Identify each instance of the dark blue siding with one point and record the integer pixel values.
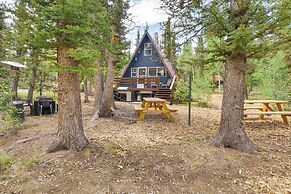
(139, 60)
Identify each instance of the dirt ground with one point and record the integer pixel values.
(154, 156)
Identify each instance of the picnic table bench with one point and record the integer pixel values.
(155, 106)
(264, 107)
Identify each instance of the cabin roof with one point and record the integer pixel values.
(169, 66)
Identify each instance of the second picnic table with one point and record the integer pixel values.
(154, 105)
(266, 109)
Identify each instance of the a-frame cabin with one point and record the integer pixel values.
(148, 73)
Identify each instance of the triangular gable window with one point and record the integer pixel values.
(148, 49)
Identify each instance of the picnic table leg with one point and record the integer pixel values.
(143, 104)
(167, 112)
(265, 109)
(284, 117)
(141, 116)
(169, 116)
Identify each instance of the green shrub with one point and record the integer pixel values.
(6, 161)
(202, 90)
(7, 110)
(272, 77)
(182, 91)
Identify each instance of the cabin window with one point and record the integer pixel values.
(133, 72)
(148, 49)
(152, 71)
(142, 72)
(161, 71)
(157, 72)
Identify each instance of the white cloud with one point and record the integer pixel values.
(147, 11)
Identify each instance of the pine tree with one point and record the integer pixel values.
(146, 27)
(2, 27)
(137, 38)
(113, 54)
(243, 28)
(156, 38)
(169, 42)
(73, 37)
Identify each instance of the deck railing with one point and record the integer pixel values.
(132, 82)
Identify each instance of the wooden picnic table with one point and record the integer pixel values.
(266, 108)
(154, 105)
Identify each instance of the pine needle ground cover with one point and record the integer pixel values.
(154, 156)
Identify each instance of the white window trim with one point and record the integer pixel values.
(157, 71)
(135, 72)
(148, 49)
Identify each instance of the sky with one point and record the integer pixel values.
(142, 12)
(146, 11)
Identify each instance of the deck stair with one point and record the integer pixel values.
(164, 93)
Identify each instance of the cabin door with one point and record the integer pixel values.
(142, 73)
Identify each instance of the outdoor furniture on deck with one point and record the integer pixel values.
(155, 106)
(264, 107)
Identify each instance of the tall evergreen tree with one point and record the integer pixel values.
(156, 38)
(243, 28)
(70, 28)
(2, 27)
(169, 42)
(104, 103)
(137, 38)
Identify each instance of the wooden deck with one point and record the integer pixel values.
(146, 84)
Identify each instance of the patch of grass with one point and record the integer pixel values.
(30, 160)
(247, 155)
(87, 152)
(3, 178)
(22, 94)
(6, 161)
(188, 141)
(227, 158)
(112, 148)
(202, 104)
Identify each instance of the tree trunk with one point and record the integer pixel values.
(99, 89)
(90, 87)
(246, 94)
(32, 84)
(70, 126)
(106, 101)
(41, 84)
(86, 92)
(33, 77)
(15, 86)
(232, 133)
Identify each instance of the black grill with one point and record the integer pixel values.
(44, 105)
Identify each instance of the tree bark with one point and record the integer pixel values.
(70, 126)
(99, 88)
(232, 132)
(86, 92)
(33, 77)
(15, 86)
(41, 83)
(90, 87)
(106, 101)
(246, 93)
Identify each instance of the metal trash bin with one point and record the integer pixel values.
(44, 105)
